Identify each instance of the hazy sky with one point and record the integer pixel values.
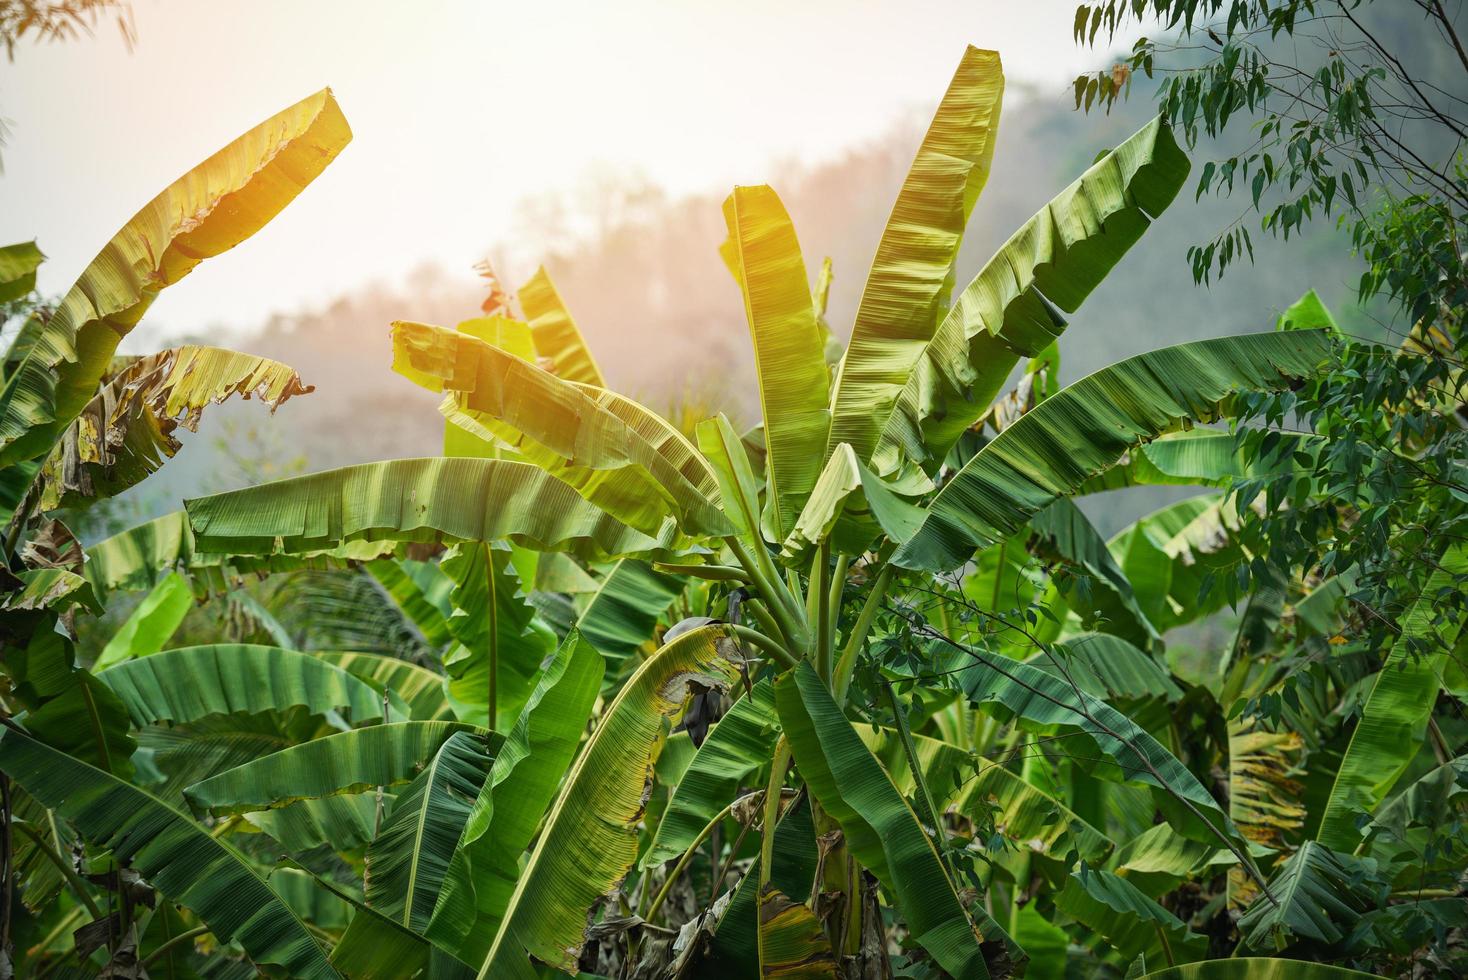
(460, 110)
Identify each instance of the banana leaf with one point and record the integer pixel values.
(18, 265)
(791, 941)
(663, 436)
(849, 506)
(590, 838)
(1319, 895)
(408, 859)
(1030, 816)
(347, 762)
(1015, 306)
(907, 290)
(880, 828)
(1073, 435)
(149, 627)
(555, 334)
(1394, 719)
(416, 692)
(175, 855)
(623, 614)
(210, 209)
(434, 499)
(190, 683)
(125, 433)
(553, 424)
(1124, 919)
(789, 351)
(485, 867)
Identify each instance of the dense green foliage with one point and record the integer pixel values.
(858, 692)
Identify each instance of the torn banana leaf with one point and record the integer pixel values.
(208, 210)
(125, 433)
(557, 338)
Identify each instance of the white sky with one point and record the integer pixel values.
(462, 109)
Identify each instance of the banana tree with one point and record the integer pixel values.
(78, 424)
(850, 498)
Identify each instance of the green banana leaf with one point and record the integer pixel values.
(1026, 692)
(417, 692)
(421, 590)
(88, 721)
(434, 499)
(347, 762)
(485, 867)
(125, 433)
(175, 855)
(907, 290)
(724, 450)
(338, 823)
(1319, 895)
(734, 750)
(149, 627)
(590, 838)
(1085, 428)
(18, 265)
(789, 351)
(1013, 307)
(1123, 918)
(556, 336)
(1394, 719)
(190, 683)
(1108, 667)
(408, 859)
(553, 424)
(623, 614)
(210, 209)
(1069, 535)
(881, 829)
(501, 641)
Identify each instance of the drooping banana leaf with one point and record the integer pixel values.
(512, 802)
(788, 350)
(556, 336)
(623, 614)
(150, 626)
(1050, 451)
(1069, 535)
(190, 683)
(907, 290)
(590, 838)
(1013, 307)
(1158, 860)
(88, 721)
(1394, 718)
(1258, 968)
(434, 499)
(1124, 919)
(553, 424)
(175, 855)
(18, 265)
(1108, 667)
(880, 828)
(734, 750)
(347, 762)
(501, 642)
(125, 433)
(418, 690)
(376, 947)
(407, 861)
(1039, 698)
(1319, 895)
(791, 941)
(208, 210)
(724, 450)
(138, 558)
(342, 823)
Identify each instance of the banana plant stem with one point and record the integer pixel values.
(778, 765)
(820, 587)
(841, 675)
(771, 589)
(685, 860)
